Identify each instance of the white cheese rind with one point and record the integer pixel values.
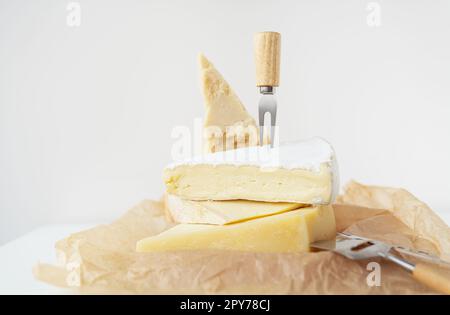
(307, 155)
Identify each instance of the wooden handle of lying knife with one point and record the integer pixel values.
(267, 58)
(434, 277)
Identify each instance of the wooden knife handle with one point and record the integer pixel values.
(267, 58)
(434, 277)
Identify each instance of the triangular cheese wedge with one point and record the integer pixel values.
(290, 231)
(227, 123)
(222, 212)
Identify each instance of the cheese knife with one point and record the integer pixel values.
(434, 274)
(267, 60)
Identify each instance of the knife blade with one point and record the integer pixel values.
(435, 276)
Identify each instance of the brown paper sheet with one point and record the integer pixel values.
(103, 260)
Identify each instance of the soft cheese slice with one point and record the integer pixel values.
(300, 172)
(227, 123)
(290, 231)
(222, 212)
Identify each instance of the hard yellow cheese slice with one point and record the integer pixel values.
(290, 231)
(227, 123)
(222, 212)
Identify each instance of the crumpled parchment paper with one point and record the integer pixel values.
(103, 259)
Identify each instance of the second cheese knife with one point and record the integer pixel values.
(267, 60)
(433, 275)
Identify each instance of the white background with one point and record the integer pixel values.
(86, 113)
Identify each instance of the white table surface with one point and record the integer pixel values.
(18, 257)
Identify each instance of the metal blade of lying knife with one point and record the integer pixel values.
(356, 247)
(353, 248)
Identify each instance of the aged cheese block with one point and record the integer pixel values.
(227, 123)
(299, 172)
(222, 212)
(290, 231)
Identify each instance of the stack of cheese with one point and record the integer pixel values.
(250, 198)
